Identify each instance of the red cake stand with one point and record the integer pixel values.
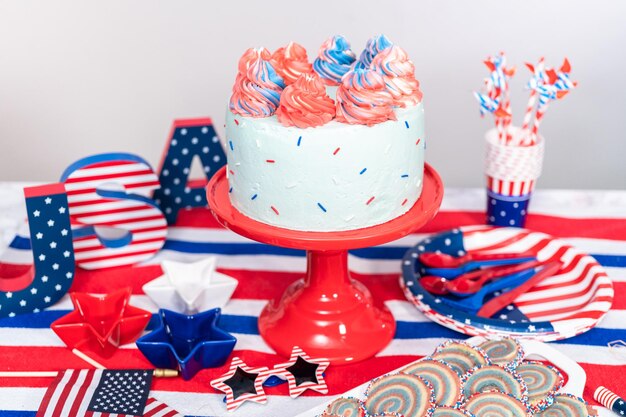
(328, 314)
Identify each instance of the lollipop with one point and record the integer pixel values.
(543, 382)
(505, 352)
(404, 394)
(445, 411)
(345, 407)
(496, 404)
(494, 378)
(461, 356)
(444, 380)
(566, 405)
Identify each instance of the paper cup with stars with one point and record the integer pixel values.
(512, 172)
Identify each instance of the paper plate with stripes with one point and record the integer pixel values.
(564, 305)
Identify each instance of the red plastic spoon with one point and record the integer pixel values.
(443, 260)
(442, 286)
(472, 282)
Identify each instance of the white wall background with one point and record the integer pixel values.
(82, 77)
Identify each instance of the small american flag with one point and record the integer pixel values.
(99, 392)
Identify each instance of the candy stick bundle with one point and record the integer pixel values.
(545, 85)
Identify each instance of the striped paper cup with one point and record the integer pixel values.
(512, 172)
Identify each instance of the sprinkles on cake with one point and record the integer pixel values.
(322, 207)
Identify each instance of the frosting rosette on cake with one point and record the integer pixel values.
(398, 71)
(257, 88)
(335, 58)
(290, 62)
(373, 47)
(305, 103)
(363, 99)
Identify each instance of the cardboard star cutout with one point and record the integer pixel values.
(242, 383)
(189, 288)
(302, 373)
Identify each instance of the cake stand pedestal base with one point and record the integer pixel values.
(326, 313)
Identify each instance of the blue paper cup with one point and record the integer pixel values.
(512, 172)
(510, 211)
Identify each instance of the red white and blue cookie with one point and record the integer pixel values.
(461, 356)
(566, 405)
(506, 352)
(445, 411)
(444, 380)
(404, 394)
(345, 407)
(543, 382)
(494, 378)
(496, 404)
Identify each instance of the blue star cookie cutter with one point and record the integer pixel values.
(188, 343)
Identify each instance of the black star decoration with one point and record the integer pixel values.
(302, 373)
(242, 382)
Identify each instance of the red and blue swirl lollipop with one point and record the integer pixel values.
(373, 47)
(444, 380)
(404, 394)
(496, 404)
(335, 58)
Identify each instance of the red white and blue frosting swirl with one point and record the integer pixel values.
(363, 99)
(334, 60)
(398, 71)
(258, 87)
(373, 47)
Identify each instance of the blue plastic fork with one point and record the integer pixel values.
(474, 302)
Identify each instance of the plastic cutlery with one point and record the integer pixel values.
(474, 302)
(498, 303)
(443, 260)
(451, 272)
(472, 282)
(466, 283)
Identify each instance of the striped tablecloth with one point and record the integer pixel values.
(594, 221)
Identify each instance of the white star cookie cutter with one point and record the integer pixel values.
(189, 288)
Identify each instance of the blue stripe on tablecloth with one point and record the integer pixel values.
(377, 252)
(248, 325)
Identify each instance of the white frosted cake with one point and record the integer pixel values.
(337, 145)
